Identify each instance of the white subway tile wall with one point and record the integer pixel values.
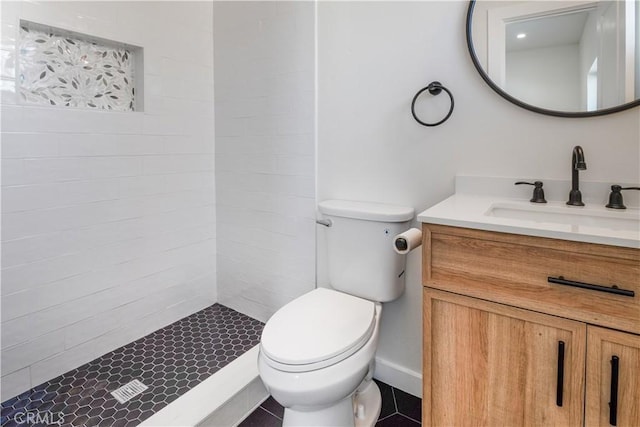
(108, 218)
(265, 153)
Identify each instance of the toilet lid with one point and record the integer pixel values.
(318, 326)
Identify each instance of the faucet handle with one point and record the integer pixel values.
(615, 198)
(538, 192)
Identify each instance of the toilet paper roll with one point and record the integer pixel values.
(405, 242)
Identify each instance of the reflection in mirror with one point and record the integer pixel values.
(562, 56)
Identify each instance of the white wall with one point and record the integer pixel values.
(107, 218)
(265, 163)
(373, 57)
(588, 47)
(637, 64)
(546, 77)
(611, 54)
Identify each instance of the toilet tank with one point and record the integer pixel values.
(361, 259)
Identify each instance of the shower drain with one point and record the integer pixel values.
(129, 391)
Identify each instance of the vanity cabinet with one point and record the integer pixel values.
(504, 345)
(492, 364)
(604, 346)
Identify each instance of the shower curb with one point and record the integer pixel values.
(225, 398)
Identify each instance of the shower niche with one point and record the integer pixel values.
(62, 68)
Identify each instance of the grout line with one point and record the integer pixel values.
(409, 418)
(393, 393)
(405, 415)
(268, 411)
(271, 414)
(388, 416)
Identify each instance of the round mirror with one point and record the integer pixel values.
(561, 58)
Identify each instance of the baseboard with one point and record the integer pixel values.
(222, 399)
(399, 377)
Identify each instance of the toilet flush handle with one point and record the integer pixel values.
(325, 222)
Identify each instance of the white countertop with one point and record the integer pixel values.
(464, 210)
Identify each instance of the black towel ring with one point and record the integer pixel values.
(434, 88)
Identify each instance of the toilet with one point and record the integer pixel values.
(317, 352)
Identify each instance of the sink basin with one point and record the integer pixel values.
(599, 217)
(592, 223)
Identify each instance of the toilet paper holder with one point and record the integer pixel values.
(401, 244)
(404, 243)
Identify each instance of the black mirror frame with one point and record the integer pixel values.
(524, 105)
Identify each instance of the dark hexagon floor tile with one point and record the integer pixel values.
(397, 420)
(169, 361)
(273, 407)
(408, 405)
(388, 400)
(261, 418)
(270, 412)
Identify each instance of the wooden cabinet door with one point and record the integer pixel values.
(487, 364)
(603, 346)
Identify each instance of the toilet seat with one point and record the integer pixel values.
(318, 329)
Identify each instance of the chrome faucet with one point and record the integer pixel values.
(577, 164)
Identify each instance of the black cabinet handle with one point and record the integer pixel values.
(560, 380)
(560, 280)
(613, 404)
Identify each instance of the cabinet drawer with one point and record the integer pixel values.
(514, 269)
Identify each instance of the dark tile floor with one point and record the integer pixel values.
(170, 361)
(399, 409)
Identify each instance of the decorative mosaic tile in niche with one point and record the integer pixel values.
(57, 67)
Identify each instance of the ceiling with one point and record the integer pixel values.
(546, 31)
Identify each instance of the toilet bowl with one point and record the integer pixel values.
(315, 375)
(317, 352)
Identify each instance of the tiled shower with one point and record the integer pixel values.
(108, 217)
(164, 365)
(158, 162)
(265, 153)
